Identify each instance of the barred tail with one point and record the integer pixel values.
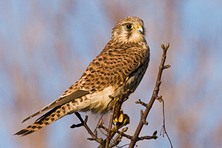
(46, 119)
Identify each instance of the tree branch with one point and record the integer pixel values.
(153, 98)
(84, 123)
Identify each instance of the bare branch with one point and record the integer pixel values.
(109, 128)
(84, 123)
(164, 123)
(153, 98)
(141, 102)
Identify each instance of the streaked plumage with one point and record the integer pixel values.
(114, 73)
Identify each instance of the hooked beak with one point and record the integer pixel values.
(140, 29)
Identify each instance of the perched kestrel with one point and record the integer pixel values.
(114, 73)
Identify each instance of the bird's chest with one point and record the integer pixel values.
(102, 101)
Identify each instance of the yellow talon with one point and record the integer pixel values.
(123, 119)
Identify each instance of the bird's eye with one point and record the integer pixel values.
(129, 26)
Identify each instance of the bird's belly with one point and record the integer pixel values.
(101, 101)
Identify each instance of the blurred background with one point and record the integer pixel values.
(46, 45)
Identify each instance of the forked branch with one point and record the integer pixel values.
(154, 96)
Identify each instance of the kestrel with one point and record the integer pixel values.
(114, 73)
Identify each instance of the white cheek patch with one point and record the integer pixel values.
(136, 37)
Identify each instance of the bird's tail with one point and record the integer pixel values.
(46, 119)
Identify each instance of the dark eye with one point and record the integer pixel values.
(129, 26)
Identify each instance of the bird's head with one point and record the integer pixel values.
(129, 29)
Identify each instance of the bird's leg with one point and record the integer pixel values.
(118, 117)
(121, 120)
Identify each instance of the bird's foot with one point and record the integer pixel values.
(121, 120)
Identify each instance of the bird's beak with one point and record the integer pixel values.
(140, 29)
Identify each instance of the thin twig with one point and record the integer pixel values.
(108, 138)
(164, 124)
(141, 102)
(84, 123)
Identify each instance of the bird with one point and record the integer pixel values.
(114, 73)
